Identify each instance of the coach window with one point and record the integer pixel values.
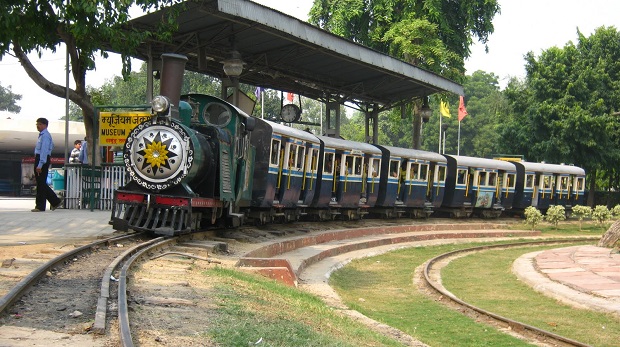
(348, 163)
(492, 179)
(579, 184)
(357, 166)
(529, 181)
(375, 164)
(394, 168)
(424, 172)
(461, 175)
(547, 182)
(300, 156)
(328, 165)
(292, 151)
(510, 180)
(564, 183)
(441, 170)
(275, 152)
(482, 178)
(312, 159)
(413, 170)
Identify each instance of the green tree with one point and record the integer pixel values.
(564, 111)
(8, 100)
(83, 26)
(422, 32)
(435, 35)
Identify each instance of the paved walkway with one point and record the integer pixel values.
(585, 275)
(18, 224)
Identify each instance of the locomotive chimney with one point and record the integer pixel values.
(172, 69)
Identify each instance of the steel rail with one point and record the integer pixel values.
(22, 286)
(512, 323)
(123, 308)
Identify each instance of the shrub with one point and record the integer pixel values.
(532, 216)
(555, 214)
(615, 211)
(601, 213)
(582, 212)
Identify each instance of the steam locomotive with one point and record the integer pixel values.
(201, 162)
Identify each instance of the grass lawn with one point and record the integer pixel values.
(250, 308)
(382, 288)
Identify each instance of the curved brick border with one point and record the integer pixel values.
(261, 260)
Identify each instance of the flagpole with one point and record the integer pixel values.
(440, 119)
(458, 141)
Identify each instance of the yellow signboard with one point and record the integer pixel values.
(115, 126)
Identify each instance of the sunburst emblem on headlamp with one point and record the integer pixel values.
(157, 153)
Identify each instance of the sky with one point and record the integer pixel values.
(521, 27)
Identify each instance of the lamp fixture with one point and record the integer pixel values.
(233, 66)
(425, 111)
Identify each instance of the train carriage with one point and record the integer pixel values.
(478, 185)
(542, 185)
(285, 174)
(200, 161)
(345, 178)
(415, 182)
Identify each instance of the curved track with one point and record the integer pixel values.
(515, 325)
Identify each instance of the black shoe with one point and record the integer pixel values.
(58, 205)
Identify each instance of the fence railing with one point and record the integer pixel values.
(88, 187)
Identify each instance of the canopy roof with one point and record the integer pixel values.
(283, 53)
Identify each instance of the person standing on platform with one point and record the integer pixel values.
(74, 158)
(42, 158)
(83, 158)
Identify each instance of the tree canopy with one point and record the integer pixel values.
(435, 35)
(8, 100)
(563, 110)
(83, 26)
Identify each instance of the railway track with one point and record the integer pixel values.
(167, 288)
(431, 277)
(85, 290)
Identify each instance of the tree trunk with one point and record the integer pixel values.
(590, 198)
(611, 237)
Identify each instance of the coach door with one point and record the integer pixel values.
(309, 174)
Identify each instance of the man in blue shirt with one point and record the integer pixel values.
(42, 157)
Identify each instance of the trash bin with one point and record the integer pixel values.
(58, 181)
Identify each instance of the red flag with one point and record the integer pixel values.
(290, 96)
(462, 110)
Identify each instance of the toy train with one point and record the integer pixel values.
(208, 163)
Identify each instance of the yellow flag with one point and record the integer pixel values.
(443, 108)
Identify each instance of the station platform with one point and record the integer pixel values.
(582, 275)
(19, 224)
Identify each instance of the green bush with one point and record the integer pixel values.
(582, 212)
(532, 216)
(555, 214)
(601, 214)
(615, 211)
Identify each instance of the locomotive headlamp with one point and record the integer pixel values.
(160, 104)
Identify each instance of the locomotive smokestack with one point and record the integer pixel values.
(172, 69)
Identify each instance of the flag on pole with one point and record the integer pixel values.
(443, 109)
(258, 93)
(290, 96)
(462, 110)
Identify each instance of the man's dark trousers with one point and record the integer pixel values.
(44, 192)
